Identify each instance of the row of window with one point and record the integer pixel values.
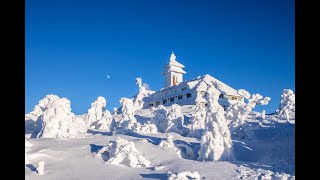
(170, 100)
(182, 89)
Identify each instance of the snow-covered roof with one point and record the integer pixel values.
(200, 83)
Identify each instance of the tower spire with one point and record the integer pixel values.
(172, 57)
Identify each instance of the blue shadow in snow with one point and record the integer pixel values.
(31, 167)
(95, 148)
(155, 176)
(99, 132)
(151, 139)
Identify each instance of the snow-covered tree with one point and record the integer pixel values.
(175, 119)
(122, 151)
(168, 119)
(57, 120)
(238, 112)
(33, 120)
(287, 105)
(198, 121)
(216, 141)
(160, 118)
(98, 117)
(106, 122)
(144, 91)
(95, 113)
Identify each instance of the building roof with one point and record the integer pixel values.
(197, 84)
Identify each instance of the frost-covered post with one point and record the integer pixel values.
(40, 167)
(216, 141)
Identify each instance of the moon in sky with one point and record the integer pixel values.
(108, 76)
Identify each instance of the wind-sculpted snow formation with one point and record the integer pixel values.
(216, 141)
(122, 151)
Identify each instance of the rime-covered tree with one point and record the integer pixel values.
(287, 105)
(216, 141)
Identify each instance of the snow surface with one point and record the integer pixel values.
(158, 143)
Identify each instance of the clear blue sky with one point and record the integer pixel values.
(71, 46)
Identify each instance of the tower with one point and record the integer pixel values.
(173, 72)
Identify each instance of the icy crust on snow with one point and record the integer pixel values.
(184, 175)
(122, 151)
(287, 104)
(216, 142)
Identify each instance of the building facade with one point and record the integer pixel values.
(177, 91)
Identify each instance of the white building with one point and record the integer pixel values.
(188, 92)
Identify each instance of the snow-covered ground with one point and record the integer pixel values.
(266, 155)
(161, 143)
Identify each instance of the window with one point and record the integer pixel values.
(188, 95)
(171, 99)
(157, 103)
(164, 101)
(184, 88)
(221, 96)
(175, 91)
(180, 97)
(151, 105)
(203, 93)
(234, 98)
